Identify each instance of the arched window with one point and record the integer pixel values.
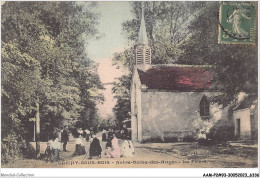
(204, 108)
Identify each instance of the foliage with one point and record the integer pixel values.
(122, 94)
(44, 61)
(234, 66)
(166, 25)
(109, 122)
(222, 131)
(13, 147)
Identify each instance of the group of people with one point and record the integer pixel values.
(52, 152)
(81, 135)
(79, 145)
(95, 148)
(112, 147)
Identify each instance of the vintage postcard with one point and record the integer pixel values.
(129, 84)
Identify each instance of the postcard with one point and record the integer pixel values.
(129, 84)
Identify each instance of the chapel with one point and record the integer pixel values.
(170, 102)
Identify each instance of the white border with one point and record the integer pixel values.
(129, 172)
(126, 172)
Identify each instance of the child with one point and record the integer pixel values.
(56, 149)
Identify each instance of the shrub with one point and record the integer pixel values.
(13, 147)
(221, 133)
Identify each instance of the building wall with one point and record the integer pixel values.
(245, 123)
(175, 114)
(254, 122)
(136, 110)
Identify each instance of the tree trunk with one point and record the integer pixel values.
(37, 130)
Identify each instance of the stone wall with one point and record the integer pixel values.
(175, 116)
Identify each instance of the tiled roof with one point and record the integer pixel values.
(182, 78)
(247, 102)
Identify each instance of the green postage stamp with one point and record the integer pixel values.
(237, 22)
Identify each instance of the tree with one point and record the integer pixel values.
(122, 94)
(44, 63)
(234, 66)
(166, 25)
(109, 122)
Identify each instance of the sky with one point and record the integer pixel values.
(102, 50)
(112, 16)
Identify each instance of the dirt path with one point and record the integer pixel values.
(168, 155)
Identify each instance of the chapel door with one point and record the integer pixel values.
(238, 127)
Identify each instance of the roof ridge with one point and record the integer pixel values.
(178, 65)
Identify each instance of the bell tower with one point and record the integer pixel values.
(142, 51)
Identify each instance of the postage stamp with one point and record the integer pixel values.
(237, 22)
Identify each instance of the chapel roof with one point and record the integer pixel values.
(181, 78)
(247, 102)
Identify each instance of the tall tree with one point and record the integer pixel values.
(166, 25)
(122, 94)
(44, 62)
